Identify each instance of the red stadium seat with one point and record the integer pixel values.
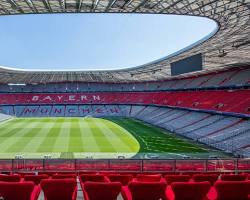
(93, 178)
(190, 190)
(10, 178)
(232, 190)
(177, 178)
(144, 191)
(234, 177)
(63, 176)
(101, 191)
(36, 179)
(212, 178)
(124, 179)
(19, 191)
(22, 174)
(63, 189)
(148, 178)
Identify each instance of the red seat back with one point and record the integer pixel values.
(63, 189)
(148, 178)
(63, 176)
(124, 179)
(22, 174)
(92, 178)
(234, 177)
(190, 190)
(16, 191)
(102, 191)
(147, 190)
(177, 178)
(232, 190)
(211, 178)
(10, 178)
(36, 179)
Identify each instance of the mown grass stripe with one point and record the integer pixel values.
(88, 139)
(101, 140)
(15, 144)
(124, 141)
(36, 141)
(62, 140)
(47, 144)
(75, 137)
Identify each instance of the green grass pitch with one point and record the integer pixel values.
(84, 137)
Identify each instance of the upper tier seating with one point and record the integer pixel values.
(230, 77)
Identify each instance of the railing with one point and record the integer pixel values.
(126, 165)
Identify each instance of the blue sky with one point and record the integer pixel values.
(95, 41)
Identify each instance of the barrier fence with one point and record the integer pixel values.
(126, 165)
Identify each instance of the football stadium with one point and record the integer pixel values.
(175, 128)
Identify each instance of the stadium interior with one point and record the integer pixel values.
(140, 133)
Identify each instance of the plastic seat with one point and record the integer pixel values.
(177, 178)
(144, 191)
(10, 178)
(190, 190)
(101, 191)
(93, 178)
(63, 189)
(211, 178)
(124, 179)
(36, 179)
(148, 178)
(22, 174)
(232, 190)
(19, 191)
(63, 176)
(234, 177)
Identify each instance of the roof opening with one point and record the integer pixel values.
(96, 41)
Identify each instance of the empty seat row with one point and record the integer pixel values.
(150, 187)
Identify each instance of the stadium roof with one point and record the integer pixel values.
(230, 45)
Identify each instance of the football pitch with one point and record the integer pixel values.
(92, 138)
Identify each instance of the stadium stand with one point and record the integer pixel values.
(230, 78)
(182, 187)
(226, 101)
(4, 117)
(211, 107)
